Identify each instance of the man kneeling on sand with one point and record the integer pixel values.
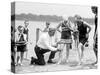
(45, 45)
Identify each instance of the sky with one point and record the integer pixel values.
(64, 10)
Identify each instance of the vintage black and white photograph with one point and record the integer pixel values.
(53, 37)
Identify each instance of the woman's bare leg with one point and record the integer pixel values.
(22, 56)
(81, 49)
(19, 57)
(79, 54)
(76, 43)
(67, 51)
(78, 49)
(61, 53)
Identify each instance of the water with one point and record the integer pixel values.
(33, 25)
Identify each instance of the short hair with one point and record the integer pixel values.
(52, 29)
(95, 7)
(78, 16)
(19, 27)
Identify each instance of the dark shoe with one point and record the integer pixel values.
(32, 60)
(94, 63)
(51, 62)
(86, 45)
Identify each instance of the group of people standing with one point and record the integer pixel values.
(48, 43)
(80, 32)
(45, 44)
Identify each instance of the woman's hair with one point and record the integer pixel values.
(78, 16)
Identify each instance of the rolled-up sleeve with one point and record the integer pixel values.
(50, 47)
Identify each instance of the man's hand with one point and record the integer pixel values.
(55, 45)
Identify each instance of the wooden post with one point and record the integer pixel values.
(37, 34)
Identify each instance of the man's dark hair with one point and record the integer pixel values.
(95, 8)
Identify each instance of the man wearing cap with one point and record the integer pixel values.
(44, 45)
(46, 29)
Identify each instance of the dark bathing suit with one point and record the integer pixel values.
(66, 33)
(21, 47)
(82, 32)
(25, 31)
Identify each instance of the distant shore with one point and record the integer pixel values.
(47, 18)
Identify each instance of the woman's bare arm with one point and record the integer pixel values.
(58, 27)
(88, 25)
